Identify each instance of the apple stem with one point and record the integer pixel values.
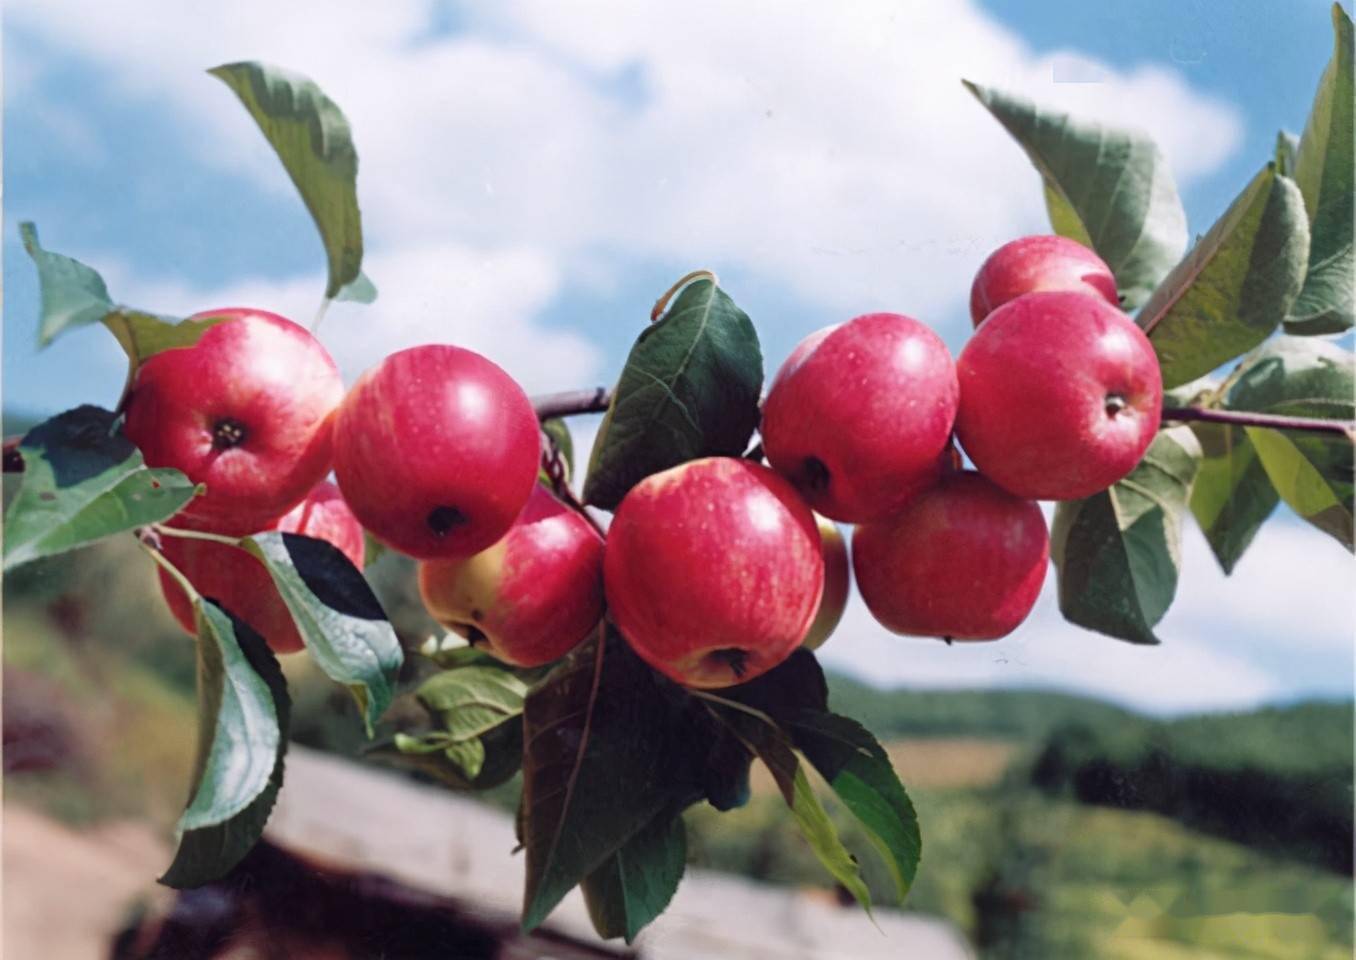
(662, 303)
(165, 531)
(320, 314)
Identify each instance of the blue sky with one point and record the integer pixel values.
(532, 178)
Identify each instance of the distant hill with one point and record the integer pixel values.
(1028, 715)
(1279, 778)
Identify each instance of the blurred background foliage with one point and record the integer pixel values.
(1056, 826)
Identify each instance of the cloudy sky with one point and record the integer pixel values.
(534, 174)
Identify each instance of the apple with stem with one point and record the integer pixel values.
(1042, 262)
(713, 570)
(964, 560)
(1060, 396)
(247, 411)
(531, 597)
(241, 583)
(860, 415)
(436, 450)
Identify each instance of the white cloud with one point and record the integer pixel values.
(447, 293)
(829, 150)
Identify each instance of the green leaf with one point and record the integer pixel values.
(311, 136)
(762, 735)
(1325, 168)
(473, 700)
(243, 718)
(337, 614)
(853, 763)
(559, 432)
(143, 335)
(468, 756)
(1303, 377)
(72, 294)
(1118, 552)
(1235, 286)
(635, 884)
(606, 751)
(84, 480)
(690, 389)
(500, 756)
(1108, 189)
(1232, 496)
(361, 290)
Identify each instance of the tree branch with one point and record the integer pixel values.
(571, 403)
(1245, 418)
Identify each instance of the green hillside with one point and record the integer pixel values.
(1026, 715)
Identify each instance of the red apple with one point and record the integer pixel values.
(964, 560)
(713, 570)
(1029, 264)
(247, 410)
(836, 583)
(530, 598)
(1060, 396)
(859, 416)
(436, 450)
(241, 584)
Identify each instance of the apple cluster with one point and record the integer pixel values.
(714, 570)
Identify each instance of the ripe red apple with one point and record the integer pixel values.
(530, 598)
(1029, 264)
(859, 416)
(241, 584)
(964, 560)
(247, 410)
(713, 570)
(836, 583)
(436, 449)
(1060, 396)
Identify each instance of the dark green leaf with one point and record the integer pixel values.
(1235, 286)
(606, 751)
(1108, 189)
(473, 700)
(848, 757)
(1302, 377)
(635, 884)
(242, 739)
(311, 136)
(762, 735)
(336, 613)
(784, 692)
(1118, 552)
(690, 389)
(1232, 496)
(83, 480)
(1325, 168)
